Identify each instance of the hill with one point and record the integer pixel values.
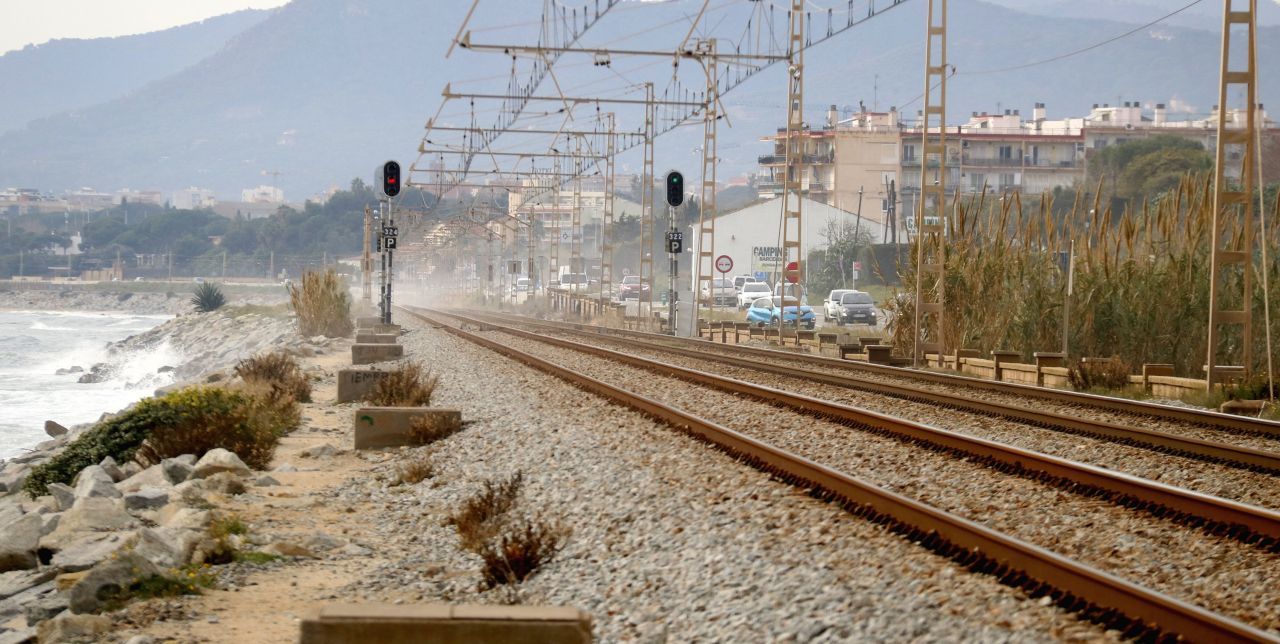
(67, 74)
(322, 90)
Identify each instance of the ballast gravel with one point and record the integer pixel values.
(1220, 480)
(1220, 574)
(670, 539)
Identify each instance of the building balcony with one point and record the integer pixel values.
(808, 159)
(992, 162)
(1045, 164)
(776, 187)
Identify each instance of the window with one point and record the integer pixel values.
(856, 298)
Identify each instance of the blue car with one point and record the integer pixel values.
(765, 311)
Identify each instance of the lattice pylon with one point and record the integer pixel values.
(705, 267)
(646, 207)
(606, 218)
(1231, 264)
(931, 231)
(792, 182)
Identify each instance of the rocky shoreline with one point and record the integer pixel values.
(141, 303)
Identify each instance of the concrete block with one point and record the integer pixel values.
(393, 329)
(443, 624)
(878, 353)
(354, 384)
(370, 353)
(377, 427)
(368, 321)
(375, 338)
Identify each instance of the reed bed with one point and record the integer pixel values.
(1141, 282)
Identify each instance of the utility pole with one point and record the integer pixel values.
(169, 253)
(1232, 258)
(224, 264)
(931, 238)
(271, 270)
(366, 259)
(646, 210)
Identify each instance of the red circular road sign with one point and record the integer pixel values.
(724, 263)
(792, 272)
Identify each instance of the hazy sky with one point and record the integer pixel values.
(24, 22)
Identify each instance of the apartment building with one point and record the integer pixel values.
(862, 156)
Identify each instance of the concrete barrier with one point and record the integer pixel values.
(370, 353)
(383, 329)
(354, 384)
(376, 338)
(377, 427)
(368, 321)
(444, 624)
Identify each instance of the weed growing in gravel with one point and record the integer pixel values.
(255, 557)
(277, 369)
(407, 386)
(425, 430)
(415, 470)
(480, 516)
(520, 549)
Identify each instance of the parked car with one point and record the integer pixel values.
(575, 282)
(831, 305)
(792, 292)
(739, 280)
(765, 311)
(856, 307)
(752, 291)
(720, 293)
(632, 289)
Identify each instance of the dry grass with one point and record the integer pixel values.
(415, 470)
(322, 305)
(425, 430)
(1097, 375)
(480, 517)
(520, 550)
(276, 369)
(1141, 284)
(407, 386)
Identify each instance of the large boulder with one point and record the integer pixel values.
(177, 470)
(89, 550)
(153, 476)
(16, 581)
(18, 543)
(95, 481)
(167, 547)
(220, 460)
(113, 469)
(113, 574)
(93, 514)
(148, 498)
(69, 628)
(63, 495)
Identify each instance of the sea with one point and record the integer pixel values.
(34, 345)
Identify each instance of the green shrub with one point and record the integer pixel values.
(208, 297)
(322, 305)
(194, 420)
(407, 386)
(246, 421)
(277, 369)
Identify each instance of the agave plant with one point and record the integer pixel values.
(208, 297)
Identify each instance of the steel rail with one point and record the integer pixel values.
(1243, 522)
(1164, 442)
(1203, 418)
(1092, 593)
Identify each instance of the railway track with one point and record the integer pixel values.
(1089, 591)
(1226, 423)
(1210, 451)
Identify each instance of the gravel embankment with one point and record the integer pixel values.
(1138, 420)
(141, 303)
(1210, 478)
(1220, 574)
(671, 541)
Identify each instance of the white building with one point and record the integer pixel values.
(262, 194)
(193, 199)
(750, 235)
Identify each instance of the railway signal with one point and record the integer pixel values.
(675, 189)
(388, 178)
